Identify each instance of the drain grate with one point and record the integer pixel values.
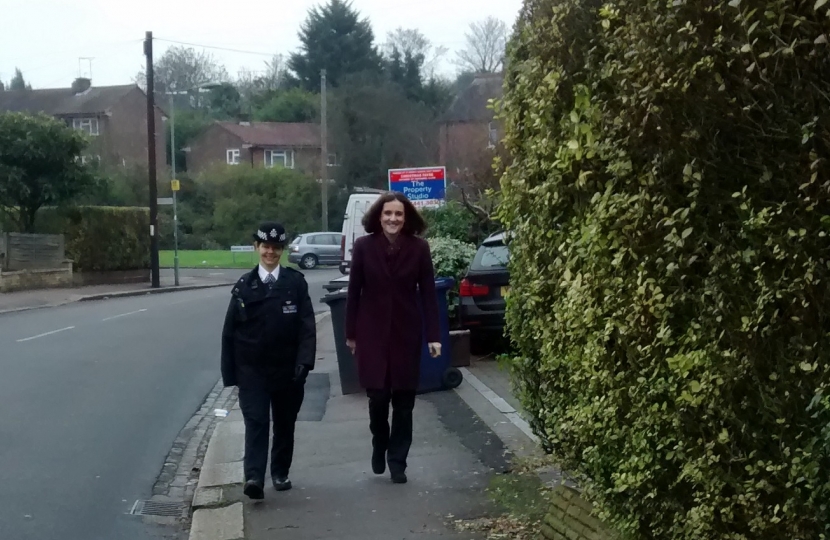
(157, 508)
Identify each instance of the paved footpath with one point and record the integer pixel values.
(461, 440)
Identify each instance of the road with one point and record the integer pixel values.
(94, 395)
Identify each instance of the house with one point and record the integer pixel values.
(114, 118)
(259, 144)
(469, 134)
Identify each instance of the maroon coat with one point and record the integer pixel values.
(382, 313)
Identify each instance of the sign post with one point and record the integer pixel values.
(426, 187)
(175, 185)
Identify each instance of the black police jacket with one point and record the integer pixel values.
(269, 330)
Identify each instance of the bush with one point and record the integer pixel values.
(450, 221)
(453, 220)
(225, 204)
(451, 258)
(101, 238)
(673, 332)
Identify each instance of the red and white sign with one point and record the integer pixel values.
(417, 175)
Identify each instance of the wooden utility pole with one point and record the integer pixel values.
(324, 146)
(151, 163)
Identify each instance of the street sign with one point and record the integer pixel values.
(241, 249)
(165, 201)
(175, 185)
(426, 187)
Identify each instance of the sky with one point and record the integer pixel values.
(46, 38)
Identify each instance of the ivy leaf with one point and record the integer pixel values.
(735, 3)
(819, 3)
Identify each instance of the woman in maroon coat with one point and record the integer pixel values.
(391, 267)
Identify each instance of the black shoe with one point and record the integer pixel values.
(398, 478)
(378, 462)
(254, 489)
(281, 483)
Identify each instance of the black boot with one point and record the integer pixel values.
(254, 489)
(281, 483)
(378, 461)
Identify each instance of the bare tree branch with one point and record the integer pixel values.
(485, 47)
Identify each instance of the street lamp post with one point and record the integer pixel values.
(174, 183)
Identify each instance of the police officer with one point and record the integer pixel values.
(268, 347)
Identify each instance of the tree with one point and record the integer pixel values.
(18, 82)
(294, 105)
(375, 128)
(668, 199)
(484, 47)
(336, 39)
(225, 102)
(39, 165)
(410, 41)
(256, 83)
(183, 69)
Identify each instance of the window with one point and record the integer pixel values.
(491, 256)
(332, 160)
(279, 158)
(87, 125)
(331, 239)
(83, 160)
(494, 135)
(233, 156)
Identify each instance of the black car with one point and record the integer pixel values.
(483, 291)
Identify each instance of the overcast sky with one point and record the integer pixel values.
(45, 38)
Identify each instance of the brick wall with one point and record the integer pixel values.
(570, 519)
(125, 135)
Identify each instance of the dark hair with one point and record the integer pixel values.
(414, 223)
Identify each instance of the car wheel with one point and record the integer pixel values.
(452, 378)
(308, 262)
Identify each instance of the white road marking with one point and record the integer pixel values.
(499, 403)
(217, 274)
(46, 334)
(123, 315)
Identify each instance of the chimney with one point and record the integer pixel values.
(81, 85)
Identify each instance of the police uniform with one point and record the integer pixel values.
(268, 347)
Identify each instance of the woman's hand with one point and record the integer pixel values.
(351, 345)
(434, 349)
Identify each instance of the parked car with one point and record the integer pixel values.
(483, 290)
(312, 249)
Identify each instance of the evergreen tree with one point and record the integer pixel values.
(336, 39)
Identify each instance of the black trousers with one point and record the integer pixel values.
(259, 407)
(397, 440)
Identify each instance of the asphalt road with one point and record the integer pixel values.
(94, 395)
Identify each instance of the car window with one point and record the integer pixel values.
(314, 239)
(334, 239)
(297, 240)
(490, 257)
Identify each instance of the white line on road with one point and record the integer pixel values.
(45, 334)
(123, 315)
(217, 274)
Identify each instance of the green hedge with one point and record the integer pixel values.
(668, 196)
(101, 238)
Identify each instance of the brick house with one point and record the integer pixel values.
(469, 134)
(259, 144)
(114, 118)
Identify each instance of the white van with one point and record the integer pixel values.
(359, 203)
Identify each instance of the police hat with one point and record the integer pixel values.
(270, 232)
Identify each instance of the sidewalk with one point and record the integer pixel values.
(453, 461)
(41, 298)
